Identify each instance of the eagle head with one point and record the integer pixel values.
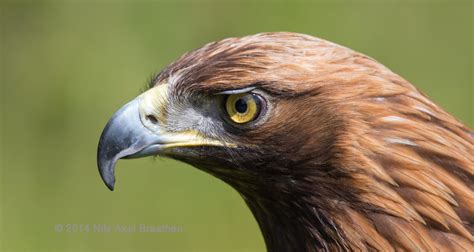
(329, 148)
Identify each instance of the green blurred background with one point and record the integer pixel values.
(66, 66)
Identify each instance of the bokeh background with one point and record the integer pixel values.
(66, 66)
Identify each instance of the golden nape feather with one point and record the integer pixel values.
(344, 154)
(417, 165)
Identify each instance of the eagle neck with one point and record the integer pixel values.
(291, 225)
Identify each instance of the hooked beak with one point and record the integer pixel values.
(137, 130)
(123, 136)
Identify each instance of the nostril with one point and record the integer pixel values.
(152, 119)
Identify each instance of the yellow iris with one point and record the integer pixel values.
(242, 108)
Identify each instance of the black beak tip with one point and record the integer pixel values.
(107, 174)
(110, 186)
(108, 178)
(107, 157)
(106, 169)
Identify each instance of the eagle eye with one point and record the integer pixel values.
(243, 108)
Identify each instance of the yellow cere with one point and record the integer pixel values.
(242, 108)
(153, 103)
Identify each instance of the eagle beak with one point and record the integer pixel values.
(124, 136)
(137, 130)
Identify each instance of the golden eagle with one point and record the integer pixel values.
(329, 149)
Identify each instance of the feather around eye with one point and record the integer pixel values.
(237, 91)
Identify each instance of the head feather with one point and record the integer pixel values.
(354, 156)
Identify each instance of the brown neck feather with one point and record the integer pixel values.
(293, 225)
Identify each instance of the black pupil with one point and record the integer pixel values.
(241, 106)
